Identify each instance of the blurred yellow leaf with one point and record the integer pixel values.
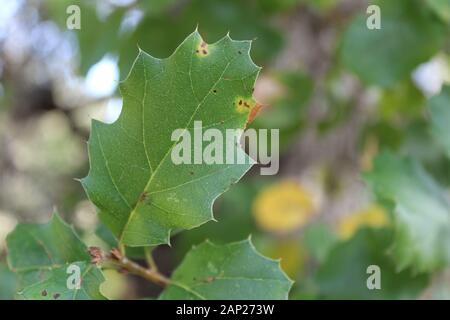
(283, 207)
(291, 254)
(115, 286)
(373, 216)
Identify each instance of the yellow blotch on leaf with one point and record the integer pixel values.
(202, 49)
(283, 207)
(373, 216)
(244, 105)
(249, 106)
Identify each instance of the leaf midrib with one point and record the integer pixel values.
(134, 210)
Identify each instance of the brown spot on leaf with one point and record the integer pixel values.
(244, 104)
(56, 296)
(202, 49)
(44, 293)
(249, 106)
(143, 196)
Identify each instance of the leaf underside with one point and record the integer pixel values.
(140, 193)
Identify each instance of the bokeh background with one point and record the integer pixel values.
(339, 93)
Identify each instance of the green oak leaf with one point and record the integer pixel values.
(54, 286)
(106, 235)
(140, 193)
(440, 117)
(40, 255)
(343, 274)
(409, 35)
(421, 212)
(231, 271)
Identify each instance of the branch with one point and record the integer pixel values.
(121, 262)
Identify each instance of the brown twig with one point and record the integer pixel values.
(121, 262)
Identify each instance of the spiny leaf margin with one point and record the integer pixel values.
(137, 203)
(41, 253)
(223, 272)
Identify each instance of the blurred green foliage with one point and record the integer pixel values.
(343, 274)
(409, 35)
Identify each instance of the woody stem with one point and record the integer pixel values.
(117, 259)
(151, 275)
